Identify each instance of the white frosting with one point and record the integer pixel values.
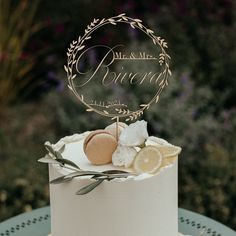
(136, 206)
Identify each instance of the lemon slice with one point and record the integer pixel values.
(169, 153)
(169, 150)
(148, 160)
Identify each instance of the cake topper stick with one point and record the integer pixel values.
(112, 59)
(117, 128)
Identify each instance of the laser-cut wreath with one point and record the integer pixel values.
(121, 109)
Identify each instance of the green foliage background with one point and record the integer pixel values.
(197, 111)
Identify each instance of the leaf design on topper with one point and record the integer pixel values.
(114, 109)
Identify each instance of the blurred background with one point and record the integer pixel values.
(196, 112)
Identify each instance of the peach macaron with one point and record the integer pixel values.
(99, 146)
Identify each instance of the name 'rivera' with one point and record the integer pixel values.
(110, 77)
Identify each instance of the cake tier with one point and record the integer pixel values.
(137, 206)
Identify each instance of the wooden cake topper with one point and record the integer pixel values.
(103, 73)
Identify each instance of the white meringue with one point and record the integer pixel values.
(123, 156)
(134, 135)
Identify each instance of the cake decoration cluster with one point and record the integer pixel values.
(133, 149)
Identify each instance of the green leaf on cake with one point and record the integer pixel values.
(89, 187)
(105, 175)
(49, 148)
(64, 161)
(82, 173)
(70, 176)
(58, 156)
(48, 159)
(59, 180)
(115, 172)
(112, 174)
(55, 157)
(61, 150)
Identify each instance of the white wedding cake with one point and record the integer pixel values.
(117, 181)
(137, 205)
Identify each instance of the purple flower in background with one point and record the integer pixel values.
(184, 78)
(187, 88)
(60, 86)
(51, 76)
(133, 33)
(92, 57)
(53, 80)
(157, 127)
(128, 5)
(50, 59)
(227, 116)
(194, 114)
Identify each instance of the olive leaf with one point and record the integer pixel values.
(111, 176)
(48, 159)
(108, 175)
(69, 177)
(83, 173)
(115, 172)
(60, 180)
(64, 161)
(89, 187)
(61, 150)
(49, 148)
(58, 156)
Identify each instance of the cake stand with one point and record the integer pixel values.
(37, 223)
